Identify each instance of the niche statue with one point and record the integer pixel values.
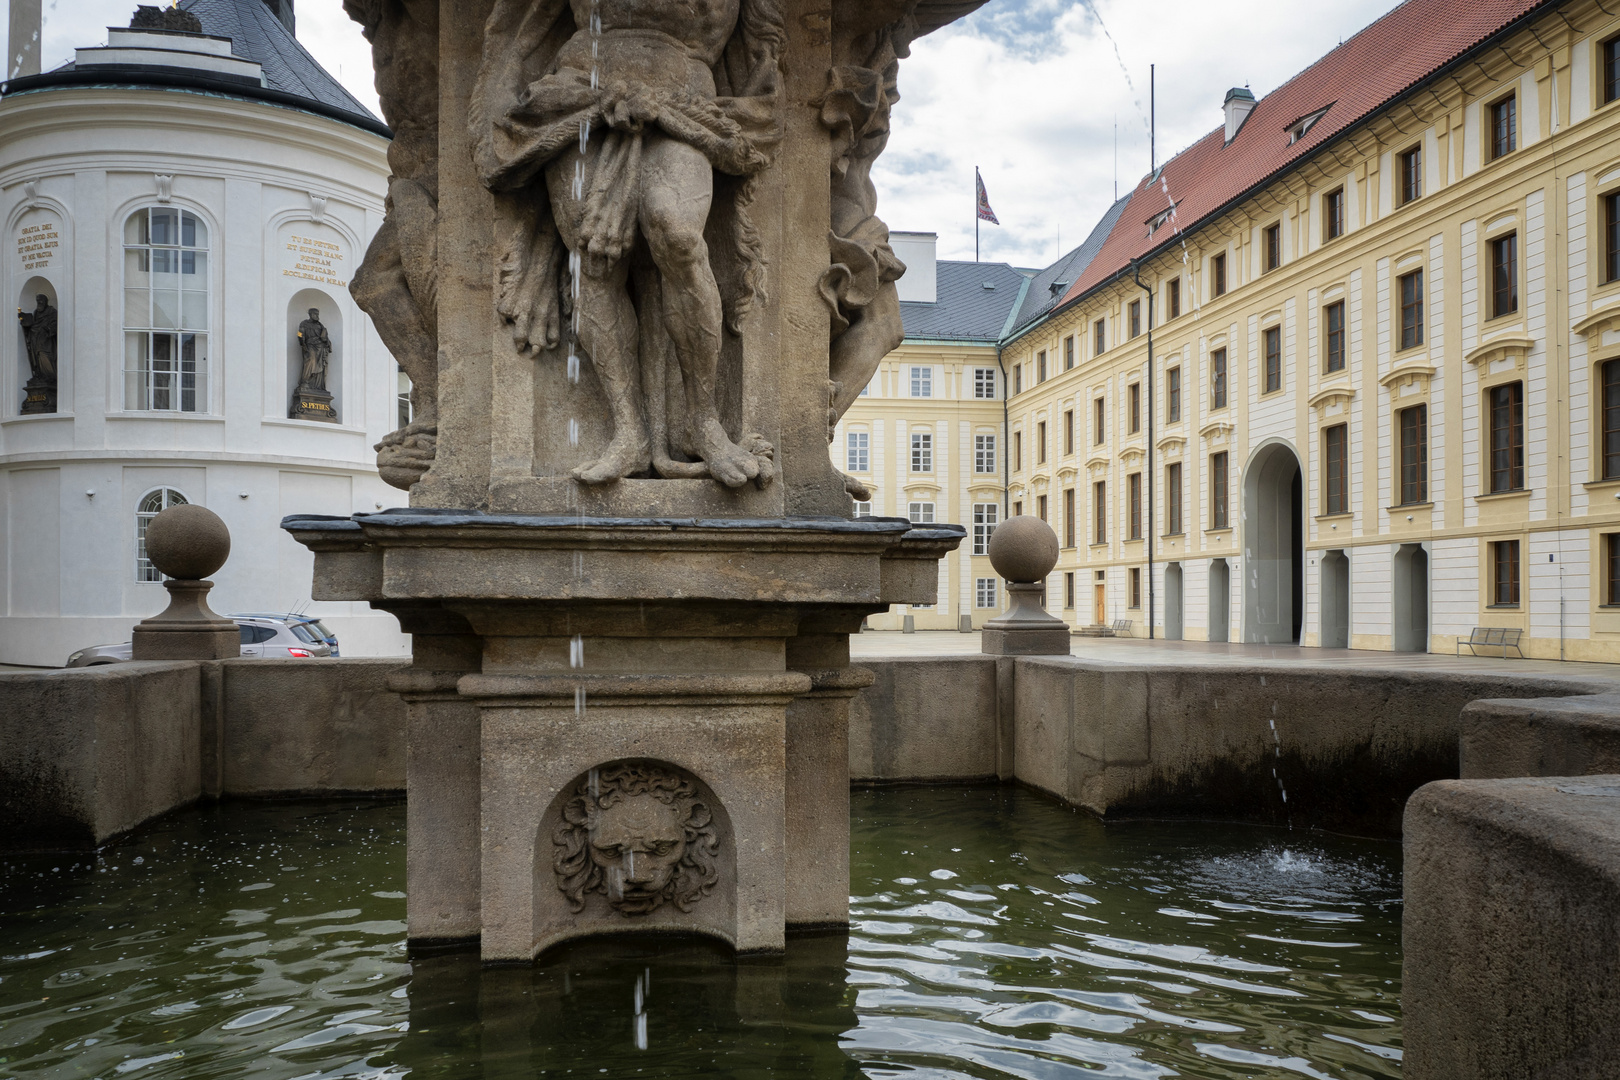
(601, 127)
(311, 400)
(39, 338)
(639, 834)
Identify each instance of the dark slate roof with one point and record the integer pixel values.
(1040, 297)
(965, 310)
(256, 34)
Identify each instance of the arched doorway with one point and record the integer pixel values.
(1410, 607)
(1220, 599)
(1172, 602)
(1335, 600)
(1273, 546)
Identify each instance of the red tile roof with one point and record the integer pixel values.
(1356, 79)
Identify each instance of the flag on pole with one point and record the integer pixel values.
(985, 213)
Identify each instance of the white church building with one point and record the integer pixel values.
(182, 198)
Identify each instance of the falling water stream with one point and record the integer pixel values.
(994, 934)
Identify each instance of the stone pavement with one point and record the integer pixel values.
(1140, 651)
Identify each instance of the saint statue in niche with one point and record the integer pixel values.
(639, 834)
(39, 339)
(606, 129)
(315, 345)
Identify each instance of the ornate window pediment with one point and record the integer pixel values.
(1217, 431)
(1171, 444)
(1597, 327)
(1067, 474)
(1333, 399)
(1514, 348)
(1408, 378)
(1130, 456)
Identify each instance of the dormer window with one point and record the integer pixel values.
(1298, 129)
(1160, 218)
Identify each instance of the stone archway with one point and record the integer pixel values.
(1273, 546)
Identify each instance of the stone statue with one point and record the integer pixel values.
(315, 345)
(396, 283)
(639, 834)
(39, 335)
(603, 125)
(172, 19)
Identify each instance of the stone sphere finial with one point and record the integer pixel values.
(188, 542)
(1023, 549)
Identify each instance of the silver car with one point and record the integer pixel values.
(265, 636)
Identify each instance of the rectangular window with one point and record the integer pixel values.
(1136, 318)
(1504, 275)
(1172, 498)
(1136, 587)
(984, 453)
(1217, 379)
(1217, 274)
(1099, 334)
(1040, 367)
(1273, 359)
(984, 383)
(922, 381)
(1412, 309)
(863, 509)
(1336, 471)
(1099, 421)
(1217, 491)
(1333, 343)
(1611, 420)
(1040, 443)
(1134, 407)
(1018, 508)
(1273, 246)
(1504, 127)
(986, 516)
(921, 513)
(1611, 237)
(922, 452)
(1504, 573)
(1173, 387)
(1068, 353)
(1611, 593)
(1068, 591)
(1040, 507)
(1611, 70)
(1414, 424)
(1410, 172)
(984, 592)
(1133, 498)
(1068, 431)
(1068, 517)
(1333, 215)
(1018, 378)
(1018, 451)
(858, 444)
(1172, 298)
(1099, 512)
(1507, 437)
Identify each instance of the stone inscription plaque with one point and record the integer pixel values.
(38, 245)
(314, 259)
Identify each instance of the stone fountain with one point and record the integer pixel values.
(632, 267)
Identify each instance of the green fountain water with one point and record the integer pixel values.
(994, 933)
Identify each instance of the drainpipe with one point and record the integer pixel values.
(1136, 272)
(1006, 439)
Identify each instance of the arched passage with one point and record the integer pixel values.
(1410, 601)
(1172, 602)
(1335, 600)
(1273, 546)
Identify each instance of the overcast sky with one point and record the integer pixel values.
(1028, 90)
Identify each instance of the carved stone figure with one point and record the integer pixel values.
(39, 339)
(603, 123)
(315, 345)
(152, 17)
(396, 283)
(639, 834)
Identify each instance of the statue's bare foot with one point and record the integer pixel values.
(728, 463)
(623, 457)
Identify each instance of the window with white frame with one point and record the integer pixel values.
(151, 505)
(165, 311)
(984, 382)
(922, 381)
(920, 513)
(402, 390)
(922, 452)
(866, 391)
(863, 509)
(986, 516)
(858, 457)
(984, 592)
(984, 453)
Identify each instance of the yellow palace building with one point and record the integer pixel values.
(1383, 403)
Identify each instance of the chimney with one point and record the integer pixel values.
(22, 51)
(916, 250)
(283, 10)
(1239, 104)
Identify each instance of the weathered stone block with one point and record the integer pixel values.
(1569, 736)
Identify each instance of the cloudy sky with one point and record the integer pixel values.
(1030, 91)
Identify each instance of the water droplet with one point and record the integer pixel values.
(573, 432)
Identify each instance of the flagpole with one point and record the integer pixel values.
(976, 183)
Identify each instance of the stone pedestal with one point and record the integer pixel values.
(39, 397)
(187, 629)
(1026, 629)
(310, 404)
(625, 725)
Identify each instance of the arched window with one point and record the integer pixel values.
(165, 311)
(152, 504)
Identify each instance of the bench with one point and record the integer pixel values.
(1122, 628)
(1492, 637)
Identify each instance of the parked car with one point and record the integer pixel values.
(310, 623)
(262, 635)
